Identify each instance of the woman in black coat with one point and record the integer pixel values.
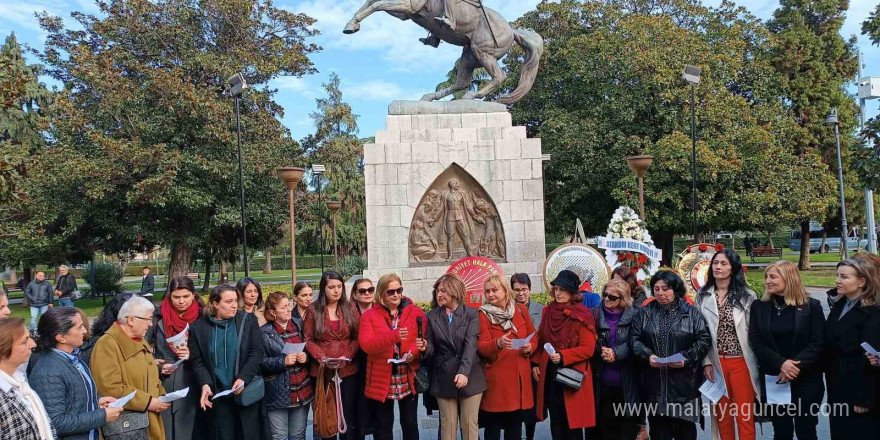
(787, 334)
(227, 350)
(852, 381)
(457, 378)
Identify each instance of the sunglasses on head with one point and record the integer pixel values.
(611, 297)
(397, 291)
(366, 290)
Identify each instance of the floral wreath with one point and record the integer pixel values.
(625, 223)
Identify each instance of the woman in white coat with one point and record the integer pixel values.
(724, 303)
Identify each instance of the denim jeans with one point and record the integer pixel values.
(65, 302)
(289, 423)
(36, 312)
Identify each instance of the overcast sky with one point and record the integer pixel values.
(384, 61)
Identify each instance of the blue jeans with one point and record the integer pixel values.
(65, 302)
(36, 312)
(289, 423)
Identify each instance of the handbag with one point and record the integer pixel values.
(130, 425)
(325, 406)
(569, 378)
(254, 391)
(423, 380)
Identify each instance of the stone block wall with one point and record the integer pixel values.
(416, 148)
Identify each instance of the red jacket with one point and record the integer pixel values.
(508, 372)
(579, 405)
(343, 343)
(377, 340)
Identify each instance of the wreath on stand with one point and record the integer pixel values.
(626, 224)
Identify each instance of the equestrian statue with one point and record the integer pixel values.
(483, 33)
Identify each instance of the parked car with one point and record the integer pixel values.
(832, 240)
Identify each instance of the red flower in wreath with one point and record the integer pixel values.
(704, 247)
(719, 247)
(629, 256)
(641, 259)
(689, 248)
(634, 270)
(621, 257)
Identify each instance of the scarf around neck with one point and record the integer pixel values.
(563, 322)
(172, 322)
(499, 316)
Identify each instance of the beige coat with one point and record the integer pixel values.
(708, 307)
(121, 365)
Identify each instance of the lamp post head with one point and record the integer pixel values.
(237, 84)
(333, 206)
(691, 74)
(832, 118)
(290, 175)
(639, 164)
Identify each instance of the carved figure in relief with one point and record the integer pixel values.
(492, 242)
(422, 245)
(456, 211)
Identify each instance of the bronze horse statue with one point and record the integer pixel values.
(482, 32)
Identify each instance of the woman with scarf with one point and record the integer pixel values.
(180, 308)
(665, 327)
(509, 395)
(331, 328)
(22, 415)
(569, 328)
(289, 389)
(389, 331)
(224, 361)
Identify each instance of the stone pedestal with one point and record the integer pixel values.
(420, 142)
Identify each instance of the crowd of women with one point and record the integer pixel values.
(254, 365)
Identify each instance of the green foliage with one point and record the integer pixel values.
(143, 141)
(541, 298)
(352, 265)
(871, 26)
(108, 279)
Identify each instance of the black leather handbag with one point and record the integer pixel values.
(570, 378)
(254, 391)
(130, 425)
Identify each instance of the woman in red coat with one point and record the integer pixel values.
(331, 327)
(509, 395)
(569, 327)
(389, 331)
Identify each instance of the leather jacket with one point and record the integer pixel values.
(688, 336)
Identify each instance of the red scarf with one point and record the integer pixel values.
(172, 322)
(563, 321)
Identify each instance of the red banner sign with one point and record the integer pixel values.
(473, 271)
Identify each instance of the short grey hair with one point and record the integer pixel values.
(136, 306)
(63, 267)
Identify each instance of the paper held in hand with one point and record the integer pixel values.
(178, 340)
(177, 395)
(548, 347)
(120, 402)
(870, 349)
(714, 391)
(228, 392)
(777, 393)
(339, 359)
(293, 348)
(677, 357)
(519, 343)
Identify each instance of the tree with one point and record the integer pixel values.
(336, 145)
(814, 64)
(610, 86)
(144, 145)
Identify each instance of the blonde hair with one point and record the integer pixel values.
(794, 292)
(382, 286)
(621, 288)
(499, 281)
(453, 285)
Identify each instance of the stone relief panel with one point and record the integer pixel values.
(456, 218)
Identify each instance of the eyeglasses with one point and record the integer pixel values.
(367, 290)
(397, 291)
(611, 297)
(145, 319)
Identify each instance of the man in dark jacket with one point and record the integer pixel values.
(147, 283)
(39, 295)
(64, 287)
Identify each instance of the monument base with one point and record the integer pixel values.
(496, 204)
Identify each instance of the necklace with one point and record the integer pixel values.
(778, 308)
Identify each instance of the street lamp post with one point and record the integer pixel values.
(319, 170)
(640, 164)
(237, 84)
(691, 74)
(334, 206)
(832, 120)
(291, 176)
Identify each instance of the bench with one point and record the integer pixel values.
(193, 276)
(765, 251)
